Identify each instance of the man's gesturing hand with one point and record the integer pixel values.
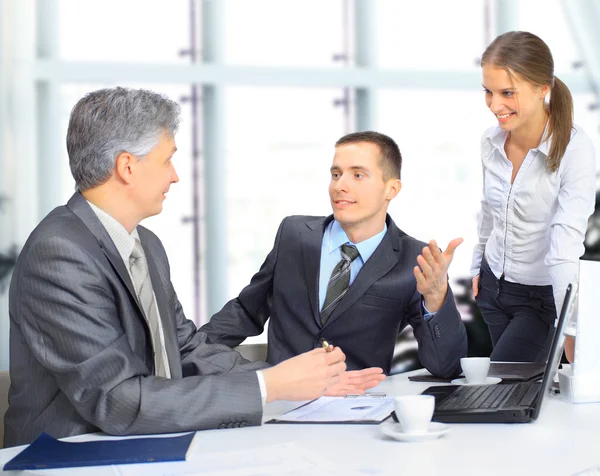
(432, 273)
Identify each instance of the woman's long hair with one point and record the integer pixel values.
(528, 56)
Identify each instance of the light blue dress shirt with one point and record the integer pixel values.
(331, 254)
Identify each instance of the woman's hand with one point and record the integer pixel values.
(475, 285)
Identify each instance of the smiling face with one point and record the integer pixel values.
(358, 192)
(152, 177)
(516, 102)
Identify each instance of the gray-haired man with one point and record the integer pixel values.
(98, 338)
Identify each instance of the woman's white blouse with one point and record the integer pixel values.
(533, 230)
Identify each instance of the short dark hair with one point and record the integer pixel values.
(391, 159)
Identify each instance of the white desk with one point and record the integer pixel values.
(563, 441)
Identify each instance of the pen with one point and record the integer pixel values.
(328, 346)
(372, 394)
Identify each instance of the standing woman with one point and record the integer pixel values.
(539, 175)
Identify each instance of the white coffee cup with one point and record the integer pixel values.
(475, 368)
(414, 412)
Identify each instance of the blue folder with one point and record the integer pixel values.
(47, 452)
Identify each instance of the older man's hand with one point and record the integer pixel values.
(306, 376)
(356, 382)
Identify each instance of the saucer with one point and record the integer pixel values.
(394, 431)
(488, 381)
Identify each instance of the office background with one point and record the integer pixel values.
(267, 87)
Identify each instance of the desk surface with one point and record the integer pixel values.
(563, 441)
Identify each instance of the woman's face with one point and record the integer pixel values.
(516, 102)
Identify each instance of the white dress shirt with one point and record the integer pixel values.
(533, 230)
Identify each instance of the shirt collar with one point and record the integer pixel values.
(337, 237)
(498, 139)
(117, 232)
(546, 143)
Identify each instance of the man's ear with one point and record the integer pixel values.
(124, 167)
(394, 187)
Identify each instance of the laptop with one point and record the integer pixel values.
(517, 371)
(507, 371)
(505, 402)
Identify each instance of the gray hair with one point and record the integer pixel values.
(108, 122)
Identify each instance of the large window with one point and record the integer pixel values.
(279, 139)
(280, 144)
(124, 30)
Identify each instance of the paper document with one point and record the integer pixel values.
(286, 459)
(340, 410)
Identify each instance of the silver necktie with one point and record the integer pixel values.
(143, 288)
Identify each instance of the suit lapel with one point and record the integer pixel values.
(79, 206)
(378, 265)
(169, 331)
(312, 240)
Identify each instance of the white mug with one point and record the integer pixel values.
(475, 368)
(414, 412)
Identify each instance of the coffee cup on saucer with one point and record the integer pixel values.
(476, 372)
(475, 369)
(414, 412)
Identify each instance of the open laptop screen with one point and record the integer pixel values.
(556, 348)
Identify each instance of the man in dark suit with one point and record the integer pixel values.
(98, 338)
(299, 286)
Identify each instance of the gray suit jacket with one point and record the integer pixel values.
(80, 349)
(382, 300)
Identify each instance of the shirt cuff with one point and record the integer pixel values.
(426, 314)
(262, 386)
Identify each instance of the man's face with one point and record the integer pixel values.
(358, 192)
(154, 175)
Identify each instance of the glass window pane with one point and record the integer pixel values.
(280, 144)
(427, 34)
(439, 135)
(586, 116)
(547, 19)
(290, 33)
(148, 31)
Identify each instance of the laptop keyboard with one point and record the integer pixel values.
(490, 396)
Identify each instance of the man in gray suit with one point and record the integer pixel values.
(98, 338)
(353, 277)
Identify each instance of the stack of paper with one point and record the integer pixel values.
(340, 410)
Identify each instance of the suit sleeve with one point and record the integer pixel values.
(247, 314)
(71, 320)
(442, 339)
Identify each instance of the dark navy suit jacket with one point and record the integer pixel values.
(381, 301)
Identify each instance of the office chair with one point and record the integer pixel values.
(4, 385)
(252, 351)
